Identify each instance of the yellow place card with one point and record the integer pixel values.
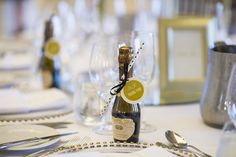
(133, 91)
(52, 48)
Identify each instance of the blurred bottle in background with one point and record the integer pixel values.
(50, 62)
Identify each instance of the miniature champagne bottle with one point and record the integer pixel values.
(125, 116)
(50, 61)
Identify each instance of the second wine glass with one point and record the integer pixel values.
(103, 73)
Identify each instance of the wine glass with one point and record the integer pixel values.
(103, 72)
(228, 136)
(145, 66)
(104, 68)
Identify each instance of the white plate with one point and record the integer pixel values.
(9, 133)
(113, 149)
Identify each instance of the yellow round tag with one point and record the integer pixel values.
(133, 91)
(52, 48)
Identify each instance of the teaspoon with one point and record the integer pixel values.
(179, 142)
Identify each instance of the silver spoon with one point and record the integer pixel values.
(179, 142)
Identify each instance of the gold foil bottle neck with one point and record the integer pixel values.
(125, 57)
(48, 32)
(125, 50)
(125, 54)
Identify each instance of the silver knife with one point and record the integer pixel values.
(33, 139)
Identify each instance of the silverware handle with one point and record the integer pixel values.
(16, 143)
(206, 155)
(173, 148)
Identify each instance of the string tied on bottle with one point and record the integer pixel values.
(117, 88)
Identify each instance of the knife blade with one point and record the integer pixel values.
(33, 139)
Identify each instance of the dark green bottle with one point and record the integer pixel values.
(125, 116)
(49, 66)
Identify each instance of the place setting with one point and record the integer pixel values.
(29, 121)
(38, 140)
(177, 147)
(22, 139)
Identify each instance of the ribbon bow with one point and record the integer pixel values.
(117, 88)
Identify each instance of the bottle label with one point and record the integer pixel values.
(52, 48)
(47, 78)
(133, 91)
(122, 128)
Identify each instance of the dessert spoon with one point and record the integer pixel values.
(179, 142)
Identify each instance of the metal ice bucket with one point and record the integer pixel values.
(220, 61)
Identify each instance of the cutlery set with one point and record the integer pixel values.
(32, 140)
(65, 144)
(177, 143)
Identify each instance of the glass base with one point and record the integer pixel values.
(90, 122)
(104, 129)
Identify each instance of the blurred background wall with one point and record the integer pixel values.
(17, 16)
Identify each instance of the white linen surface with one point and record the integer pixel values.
(13, 101)
(148, 152)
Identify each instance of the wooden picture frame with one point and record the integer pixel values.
(183, 51)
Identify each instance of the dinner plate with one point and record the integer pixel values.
(110, 147)
(10, 133)
(37, 116)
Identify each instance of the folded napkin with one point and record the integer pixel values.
(12, 61)
(13, 101)
(148, 152)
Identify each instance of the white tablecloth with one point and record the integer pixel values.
(184, 119)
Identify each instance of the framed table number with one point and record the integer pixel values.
(183, 51)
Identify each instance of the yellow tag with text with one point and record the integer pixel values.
(52, 48)
(133, 91)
